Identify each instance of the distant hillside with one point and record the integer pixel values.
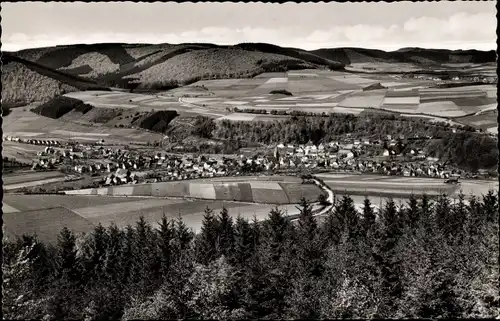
(44, 73)
(24, 82)
(406, 55)
(217, 63)
(166, 65)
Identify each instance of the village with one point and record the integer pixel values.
(111, 165)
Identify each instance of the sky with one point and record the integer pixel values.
(386, 26)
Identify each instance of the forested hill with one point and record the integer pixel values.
(422, 260)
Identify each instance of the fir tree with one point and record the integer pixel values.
(166, 234)
(442, 215)
(307, 225)
(206, 241)
(112, 267)
(183, 237)
(127, 256)
(225, 234)
(244, 246)
(67, 258)
(347, 217)
(412, 212)
(490, 207)
(146, 265)
(369, 216)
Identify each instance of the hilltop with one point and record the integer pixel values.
(424, 57)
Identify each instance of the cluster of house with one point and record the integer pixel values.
(46, 142)
(351, 156)
(52, 156)
(121, 166)
(477, 79)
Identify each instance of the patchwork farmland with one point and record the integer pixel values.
(315, 91)
(248, 190)
(46, 215)
(117, 113)
(242, 196)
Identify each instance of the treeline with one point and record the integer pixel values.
(424, 259)
(467, 150)
(300, 130)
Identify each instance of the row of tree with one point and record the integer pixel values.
(424, 259)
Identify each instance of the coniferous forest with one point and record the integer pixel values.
(423, 259)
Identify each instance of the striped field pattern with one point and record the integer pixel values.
(265, 192)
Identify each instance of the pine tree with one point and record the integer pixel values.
(256, 227)
(442, 213)
(329, 230)
(458, 218)
(146, 265)
(127, 256)
(387, 260)
(206, 241)
(65, 294)
(426, 209)
(269, 272)
(93, 254)
(225, 234)
(307, 244)
(347, 217)
(369, 217)
(244, 246)
(67, 258)
(183, 237)
(166, 234)
(276, 230)
(490, 207)
(412, 214)
(307, 225)
(112, 267)
(23, 292)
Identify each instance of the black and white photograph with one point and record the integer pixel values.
(247, 161)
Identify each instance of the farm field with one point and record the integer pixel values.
(267, 190)
(47, 214)
(317, 91)
(312, 90)
(340, 92)
(403, 187)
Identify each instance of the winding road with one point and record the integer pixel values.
(329, 199)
